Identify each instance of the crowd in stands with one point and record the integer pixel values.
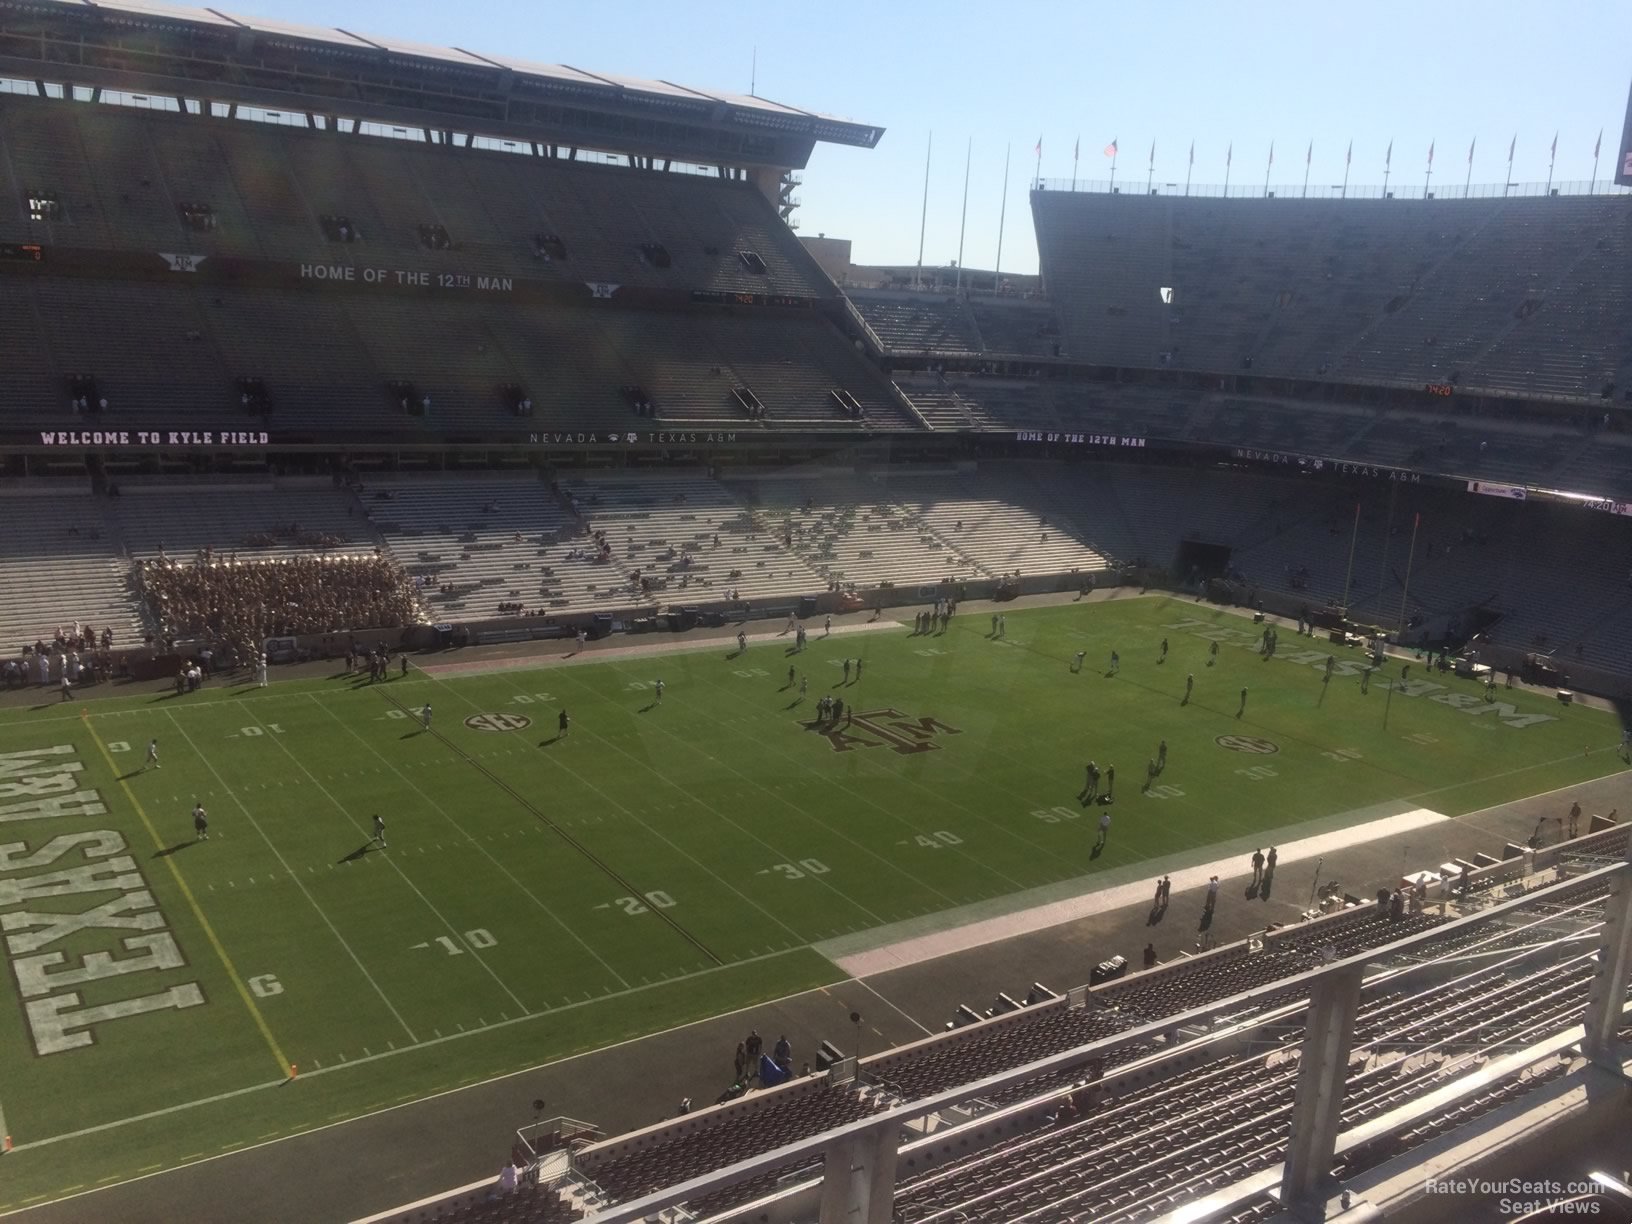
(239, 602)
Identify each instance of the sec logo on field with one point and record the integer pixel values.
(1246, 743)
(498, 722)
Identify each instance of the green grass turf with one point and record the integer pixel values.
(664, 862)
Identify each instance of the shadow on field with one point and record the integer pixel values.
(554, 739)
(360, 852)
(175, 849)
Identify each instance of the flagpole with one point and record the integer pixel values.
(1076, 152)
(963, 224)
(1308, 158)
(1150, 174)
(1039, 179)
(1551, 158)
(1114, 151)
(1426, 179)
(1508, 184)
(1388, 167)
(1347, 158)
(1190, 169)
(1002, 216)
(1467, 183)
(1354, 539)
(923, 217)
(1270, 165)
(1405, 591)
(1229, 156)
(1592, 187)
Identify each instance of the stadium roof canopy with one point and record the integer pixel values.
(208, 53)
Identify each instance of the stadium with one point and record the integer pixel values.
(533, 693)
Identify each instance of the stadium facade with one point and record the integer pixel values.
(425, 302)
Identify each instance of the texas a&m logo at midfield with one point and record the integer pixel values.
(882, 729)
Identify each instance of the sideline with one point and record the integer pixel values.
(908, 943)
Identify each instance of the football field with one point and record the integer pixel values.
(540, 893)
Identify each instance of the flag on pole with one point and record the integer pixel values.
(1153, 153)
(1229, 154)
(1349, 156)
(1272, 152)
(1431, 144)
(1193, 149)
(1039, 149)
(1309, 156)
(1554, 152)
(1388, 158)
(1513, 144)
(1599, 143)
(1075, 150)
(1110, 149)
(1471, 143)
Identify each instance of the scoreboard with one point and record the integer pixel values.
(1623, 160)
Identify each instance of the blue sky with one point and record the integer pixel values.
(1001, 73)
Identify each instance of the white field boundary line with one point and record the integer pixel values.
(922, 948)
(400, 1105)
(395, 866)
(580, 658)
(461, 831)
(293, 874)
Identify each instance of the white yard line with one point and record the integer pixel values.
(770, 847)
(395, 866)
(150, 1114)
(1508, 773)
(293, 875)
(655, 831)
(461, 831)
(935, 797)
(961, 937)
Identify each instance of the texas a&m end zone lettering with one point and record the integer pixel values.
(74, 909)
